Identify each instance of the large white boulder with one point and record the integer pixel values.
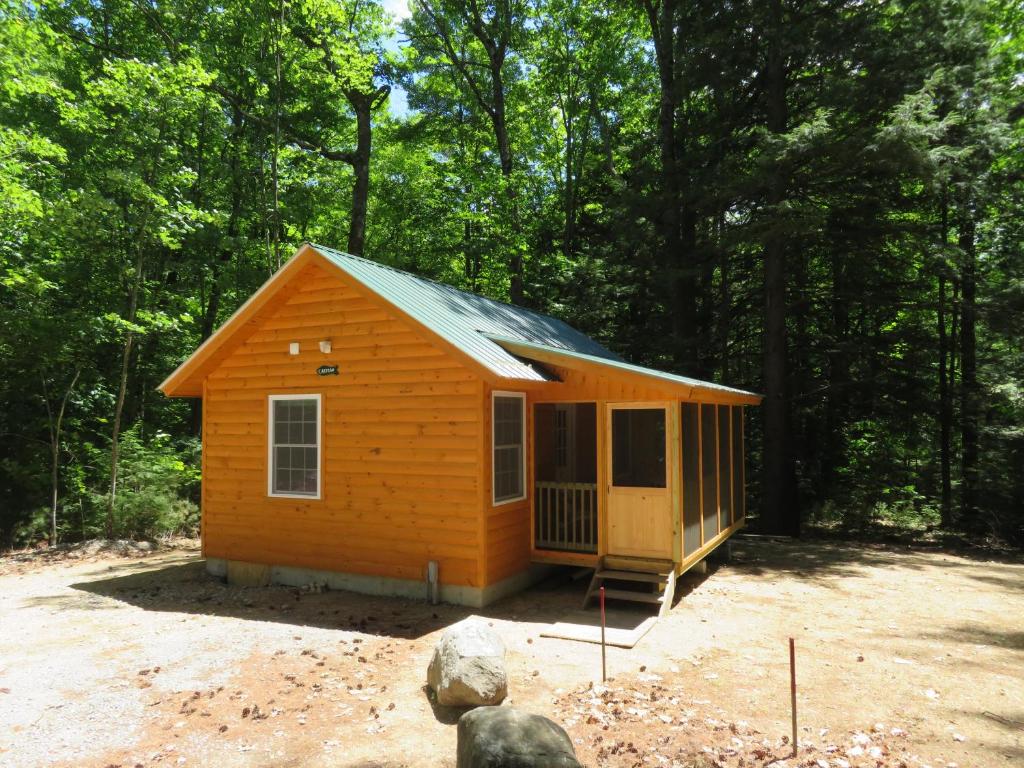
(468, 666)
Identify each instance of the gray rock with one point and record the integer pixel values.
(468, 667)
(503, 737)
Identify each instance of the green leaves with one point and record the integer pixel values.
(204, 144)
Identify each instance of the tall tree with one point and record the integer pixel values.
(477, 42)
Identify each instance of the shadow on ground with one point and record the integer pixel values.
(826, 562)
(184, 586)
(180, 584)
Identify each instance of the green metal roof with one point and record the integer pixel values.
(465, 319)
(524, 348)
(498, 336)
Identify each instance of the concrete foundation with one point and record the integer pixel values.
(256, 575)
(723, 552)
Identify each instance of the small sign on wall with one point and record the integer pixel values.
(327, 370)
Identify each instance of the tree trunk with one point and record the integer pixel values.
(968, 368)
(362, 104)
(496, 55)
(673, 223)
(725, 299)
(945, 398)
(133, 303)
(837, 397)
(569, 233)
(275, 155)
(54, 429)
(780, 513)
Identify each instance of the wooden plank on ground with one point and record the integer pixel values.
(624, 628)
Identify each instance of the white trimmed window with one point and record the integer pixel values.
(508, 465)
(294, 460)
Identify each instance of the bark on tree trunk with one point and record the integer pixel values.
(224, 253)
(675, 225)
(725, 299)
(55, 428)
(498, 119)
(363, 105)
(968, 368)
(780, 513)
(569, 234)
(839, 375)
(115, 443)
(945, 398)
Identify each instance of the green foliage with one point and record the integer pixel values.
(157, 484)
(200, 145)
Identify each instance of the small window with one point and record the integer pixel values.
(294, 462)
(508, 465)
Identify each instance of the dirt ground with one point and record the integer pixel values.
(904, 658)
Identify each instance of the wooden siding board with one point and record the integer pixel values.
(506, 527)
(401, 477)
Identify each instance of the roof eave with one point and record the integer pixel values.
(690, 390)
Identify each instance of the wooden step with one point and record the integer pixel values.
(650, 576)
(660, 574)
(635, 564)
(637, 597)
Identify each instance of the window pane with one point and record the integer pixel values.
(283, 458)
(508, 421)
(308, 459)
(294, 465)
(507, 457)
(638, 448)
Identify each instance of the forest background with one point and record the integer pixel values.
(818, 200)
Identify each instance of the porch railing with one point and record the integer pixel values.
(565, 516)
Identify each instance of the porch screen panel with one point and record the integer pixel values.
(724, 468)
(565, 477)
(638, 448)
(690, 426)
(737, 463)
(709, 469)
(544, 442)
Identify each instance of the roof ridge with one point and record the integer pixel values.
(441, 284)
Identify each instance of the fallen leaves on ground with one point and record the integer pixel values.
(646, 722)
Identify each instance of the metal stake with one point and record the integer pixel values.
(604, 666)
(792, 689)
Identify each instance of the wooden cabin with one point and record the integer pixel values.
(375, 431)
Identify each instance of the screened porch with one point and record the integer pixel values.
(565, 477)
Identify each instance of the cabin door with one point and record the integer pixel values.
(639, 493)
